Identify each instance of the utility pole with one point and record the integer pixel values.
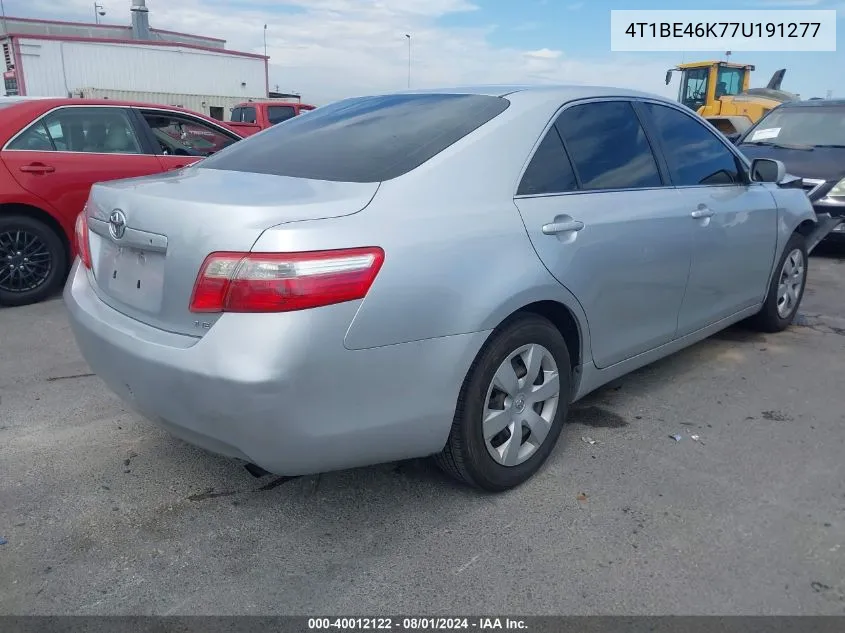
(265, 40)
(408, 35)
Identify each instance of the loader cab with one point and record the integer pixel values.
(704, 83)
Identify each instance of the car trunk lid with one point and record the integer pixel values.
(149, 236)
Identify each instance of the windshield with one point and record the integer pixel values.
(814, 126)
(693, 90)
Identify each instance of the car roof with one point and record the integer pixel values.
(52, 102)
(814, 103)
(542, 92)
(282, 102)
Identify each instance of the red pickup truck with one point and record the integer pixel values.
(254, 116)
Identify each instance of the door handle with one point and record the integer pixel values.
(37, 168)
(562, 227)
(703, 212)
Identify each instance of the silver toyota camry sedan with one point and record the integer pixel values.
(431, 273)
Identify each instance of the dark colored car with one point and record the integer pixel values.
(809, 138)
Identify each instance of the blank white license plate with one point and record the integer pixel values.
(133, 276)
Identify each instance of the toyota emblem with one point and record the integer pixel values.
(117, 224)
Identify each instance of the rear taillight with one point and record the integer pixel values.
(83, 247)
(283, 282)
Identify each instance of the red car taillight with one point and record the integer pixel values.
(83, 247)
(283, 282)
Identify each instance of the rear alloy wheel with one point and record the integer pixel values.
(786, 289)
(512, 406)
(33, 261)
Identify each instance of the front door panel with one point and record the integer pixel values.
(732, 255)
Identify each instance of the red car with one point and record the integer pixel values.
(53, 150)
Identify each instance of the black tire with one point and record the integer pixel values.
(465, 456)
(51, 250)
(768, 319)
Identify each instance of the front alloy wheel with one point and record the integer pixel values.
(791, 283)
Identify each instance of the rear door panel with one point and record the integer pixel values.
(627, 267)
(68, 185)
(627, 258)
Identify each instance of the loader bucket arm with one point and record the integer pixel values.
(776, 80)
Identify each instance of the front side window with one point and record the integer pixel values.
(181, 135)
(608, 146)
(363, 139)
(694, 155)
(90, 130)
(729, 82)
(549, 171)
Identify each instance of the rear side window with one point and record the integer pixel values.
(549, 170)
(243, 114)
(277, 114)
(695, 156)
(364, 139)
(248, 115)
(608, 146)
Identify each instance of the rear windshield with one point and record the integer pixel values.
(364, 139)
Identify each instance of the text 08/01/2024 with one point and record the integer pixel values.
(709, 30)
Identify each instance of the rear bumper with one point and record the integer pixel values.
(280, 391)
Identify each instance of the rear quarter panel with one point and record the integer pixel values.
(457, 255)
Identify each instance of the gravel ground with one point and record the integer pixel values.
(105, 514)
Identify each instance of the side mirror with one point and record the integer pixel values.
(733, 137)
(668, 77)
(767, 170)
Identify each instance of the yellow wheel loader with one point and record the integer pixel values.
(719, 92)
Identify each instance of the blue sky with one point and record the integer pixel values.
(329, 49)
(581, 28)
